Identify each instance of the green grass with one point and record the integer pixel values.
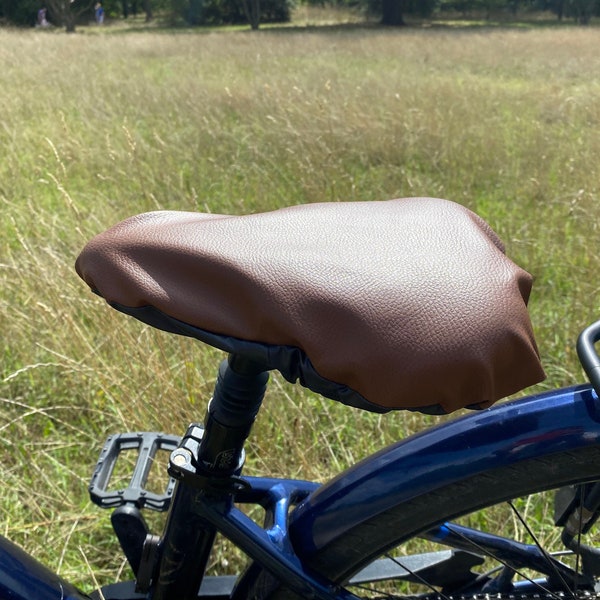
(97, 126)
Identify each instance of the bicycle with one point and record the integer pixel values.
(350, 537)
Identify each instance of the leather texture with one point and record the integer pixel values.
(405, 303)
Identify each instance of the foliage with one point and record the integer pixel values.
(59, 12)
(228, 12)
(393, 10)
(219, 12)
(22, 12)
(581, 10)
(196, 12)
(420, 8)
(562, 8)
(66, 13)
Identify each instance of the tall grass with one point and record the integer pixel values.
(98, 127)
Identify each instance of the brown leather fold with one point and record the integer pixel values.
(409, 302)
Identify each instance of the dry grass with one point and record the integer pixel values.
(98, 127)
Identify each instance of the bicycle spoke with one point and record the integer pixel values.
(436, 594)
(404, 566)
(503, 562)
(548, 557)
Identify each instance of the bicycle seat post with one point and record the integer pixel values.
(237, 398)
(219, 456)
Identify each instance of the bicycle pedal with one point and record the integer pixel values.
(146, 444)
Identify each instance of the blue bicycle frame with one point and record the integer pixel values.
(533, 427)
(23, 578)
(538, 426)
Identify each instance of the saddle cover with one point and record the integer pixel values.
(401, 304)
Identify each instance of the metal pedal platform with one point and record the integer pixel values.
(147, 444)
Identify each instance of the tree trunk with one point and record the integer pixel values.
(585, 8)
(252, 10)
(391, 13)
(147, 9)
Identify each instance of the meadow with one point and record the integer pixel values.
(98, 126)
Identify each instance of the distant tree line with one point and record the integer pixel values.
(393, 11)
(193, 12)
(67, 13)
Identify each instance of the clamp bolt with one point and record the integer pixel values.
(181, 457)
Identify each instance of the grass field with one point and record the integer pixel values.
(98, 126)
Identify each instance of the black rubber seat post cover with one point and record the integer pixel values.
(238, 396)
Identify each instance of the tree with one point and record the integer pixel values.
(147, 8)
(66, 13)
(23, 12)
(219, 12)
(581, 10)
(252, 11)
(391, 12)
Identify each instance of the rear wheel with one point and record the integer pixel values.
(377, 558)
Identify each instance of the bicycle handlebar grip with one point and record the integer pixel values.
(586, 351)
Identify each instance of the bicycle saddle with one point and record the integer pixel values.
(407, 303)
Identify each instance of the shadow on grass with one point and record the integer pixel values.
(165, 26)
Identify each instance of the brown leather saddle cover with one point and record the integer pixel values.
(407, 303)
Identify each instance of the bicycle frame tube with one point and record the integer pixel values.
(23, 578)
(536, 426)
(516, 554)
(270, 546)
